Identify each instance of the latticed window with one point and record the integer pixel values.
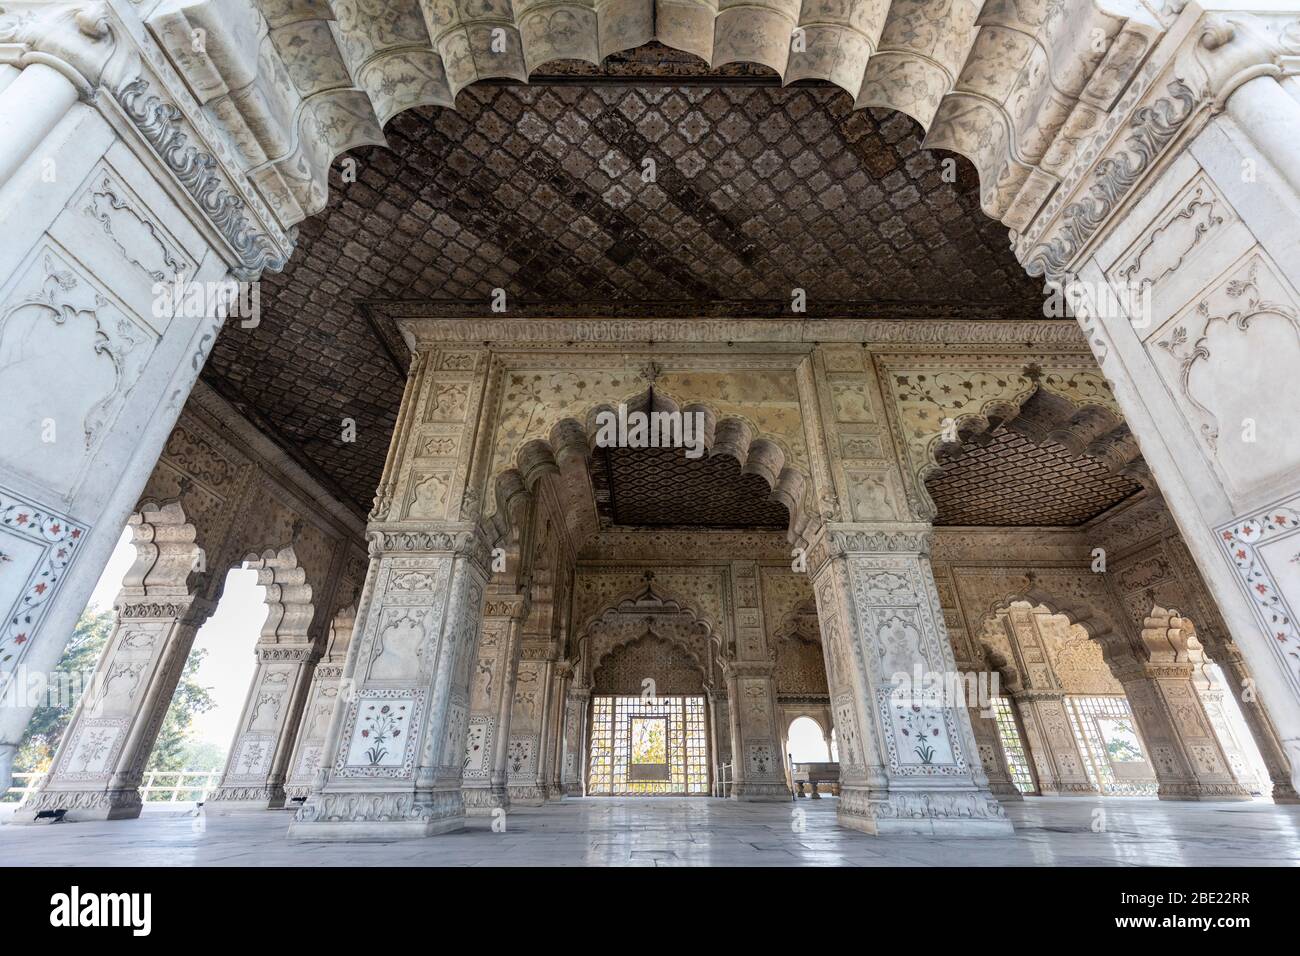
(1112, 752)
(648, 745)
(1013, 746)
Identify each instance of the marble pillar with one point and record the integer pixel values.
(492, 694)
(757, 743)
(1186, 755)
(259, 759)
(327, 688)
(100, 762)
(573, 771)
(907, 763)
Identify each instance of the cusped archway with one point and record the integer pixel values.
(1015, 88)
(565, 454)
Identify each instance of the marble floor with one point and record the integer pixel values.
(1054, 831)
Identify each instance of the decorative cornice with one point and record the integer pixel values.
(161, 125)
(603, 331)
(1152, 128)
(287, 652)
(158, 610)
(250, 440)
(758, 310)
(881, 542)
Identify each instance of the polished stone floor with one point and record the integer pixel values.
(1052, 831)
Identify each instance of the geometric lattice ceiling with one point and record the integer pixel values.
(661, 487)
(1010, 481)
(539, 190)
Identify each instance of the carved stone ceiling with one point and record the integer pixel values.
(661, 487)
(538, 190)
(1003, 479)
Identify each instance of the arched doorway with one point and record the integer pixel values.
(648, 733)
(806, 742)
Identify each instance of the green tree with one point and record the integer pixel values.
(175, 740)
(69, 678)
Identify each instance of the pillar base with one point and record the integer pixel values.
(237, 799)
(377, 817)
(371, 831)
(761, 793)
(1285, 796)
(530, 796)
(1203, 793)
(482, 801)
(1069, 790)
(295, 795)
(962, 813)
(79, 806)
(1006, 792)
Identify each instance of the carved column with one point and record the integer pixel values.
(100, 762)
(397, 749)
(756, 741)
(1175, 233)
(1051, 743)
(398, 745)
(526, 764)
(89, 155)
(720, 736)
(577, 706)
(1185, 753)
(326, 690)
(1211, 695)
(1212, 635)
(258, 762)
(1242, 687)
(908, 763)
(989, 744)
(1040, 700)
(979, 685)
(492, 694)
(556, 732)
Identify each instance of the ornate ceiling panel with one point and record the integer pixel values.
(661, 487)
(1004, 479)
(538, 190)
(757, 191)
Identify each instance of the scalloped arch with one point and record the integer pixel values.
(1078, 612)
(1086, 426)
(1015, 88)
(289, 607)
(647, 599)
(167, 551)
(645, 603)
(566, 454)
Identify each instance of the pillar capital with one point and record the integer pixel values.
(76, 39)
(467, 542)
(503, 601)
(1231, 48)
(834, 541)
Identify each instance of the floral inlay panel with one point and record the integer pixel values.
(379, 731)
(1265, 550)
(36, 547)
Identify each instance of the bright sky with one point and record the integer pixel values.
(806, 744)
(229, 635)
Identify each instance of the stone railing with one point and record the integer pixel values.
(159, 786)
